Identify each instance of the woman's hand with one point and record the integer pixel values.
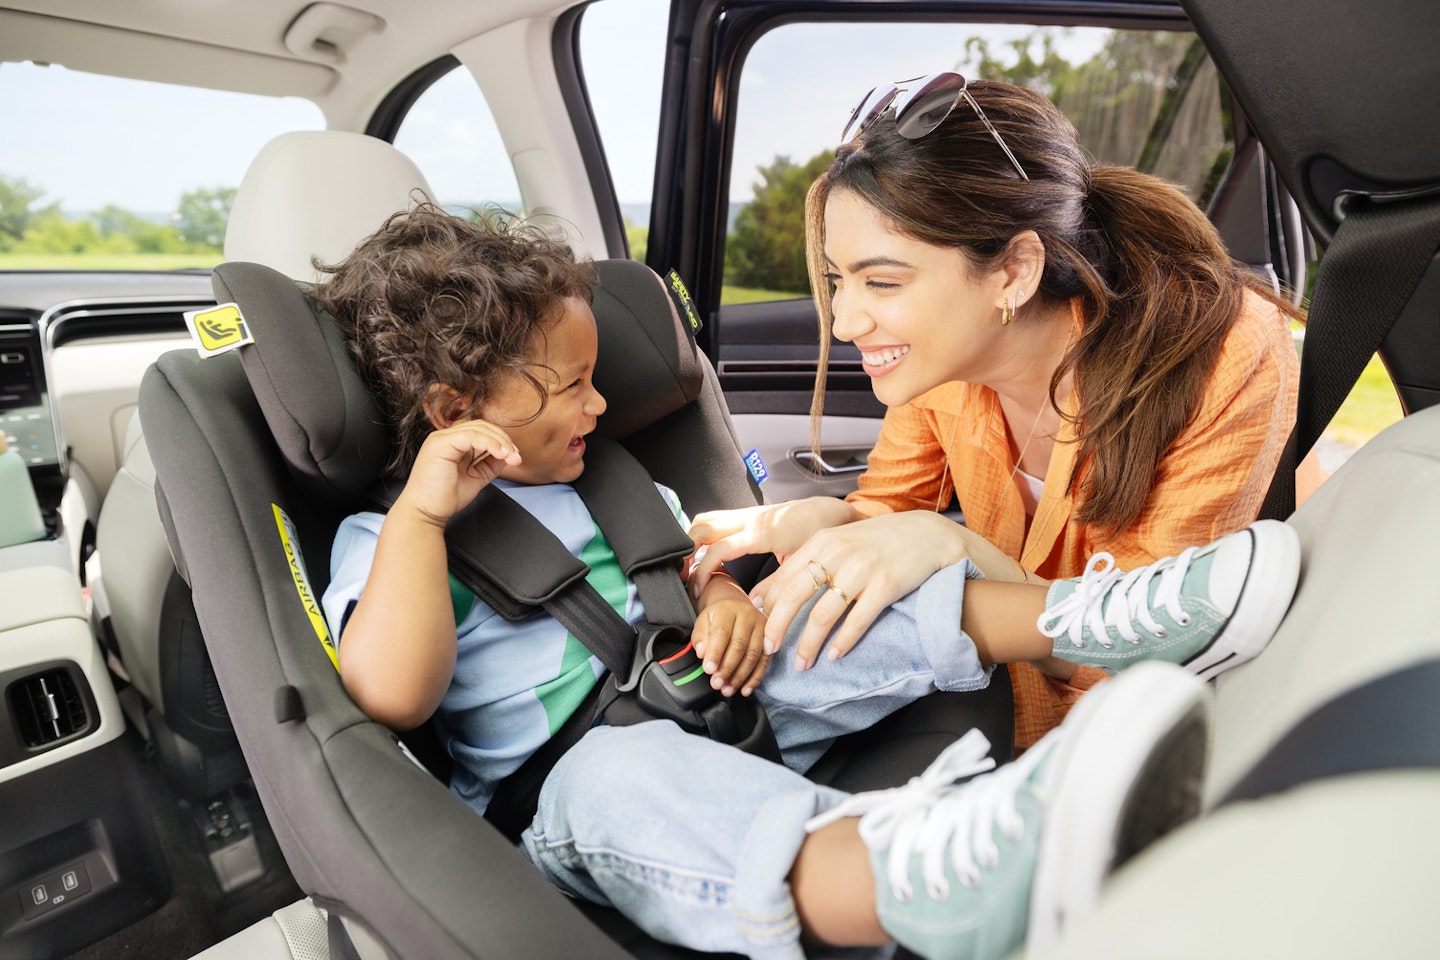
(779, 528)
(866, 565)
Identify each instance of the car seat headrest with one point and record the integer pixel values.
(324, 419)
(647, 367)
(317, 193)
(327, 424)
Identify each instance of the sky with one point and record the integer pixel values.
(92, 141)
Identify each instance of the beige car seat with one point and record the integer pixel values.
(1340, 864)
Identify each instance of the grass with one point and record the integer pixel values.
(108, 261)
(730, 295)
(1371, 407)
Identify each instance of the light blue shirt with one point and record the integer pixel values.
(514, 684)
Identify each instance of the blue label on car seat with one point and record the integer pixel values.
(756, 465)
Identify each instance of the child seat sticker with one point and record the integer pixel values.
(756, 465)
(290, 540)
(218, 329)
(681, 295)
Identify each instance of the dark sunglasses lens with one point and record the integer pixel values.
(925, 106)
(874, 104)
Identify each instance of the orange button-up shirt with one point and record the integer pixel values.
(1210, 482)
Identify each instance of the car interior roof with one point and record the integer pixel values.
(343, 57)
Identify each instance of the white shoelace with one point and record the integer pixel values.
(1129, 601)
(921, 816)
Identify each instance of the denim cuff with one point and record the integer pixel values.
(951, 652)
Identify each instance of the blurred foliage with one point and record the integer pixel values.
(767, 247)
(33, 232)
(1147, 99)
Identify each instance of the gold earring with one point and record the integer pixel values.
(1006, 314)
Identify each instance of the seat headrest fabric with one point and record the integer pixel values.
(317, 193)
(647, 366)
(327, 424)
(324, 419)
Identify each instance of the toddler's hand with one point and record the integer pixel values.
(729, 636)
(453, 465)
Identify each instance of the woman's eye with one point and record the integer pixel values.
(882, 285)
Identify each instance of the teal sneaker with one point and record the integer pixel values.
(1209, 609)
(975, 870)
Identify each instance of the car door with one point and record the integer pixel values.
(755, 94)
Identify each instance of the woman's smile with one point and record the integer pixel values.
(878, 361)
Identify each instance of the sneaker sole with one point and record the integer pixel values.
(1264, 599)
(1129, 770)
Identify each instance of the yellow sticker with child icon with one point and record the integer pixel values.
(218, 329)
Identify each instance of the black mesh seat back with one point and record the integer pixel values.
(1328, 127)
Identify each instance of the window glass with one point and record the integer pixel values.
(1148, 99)
(622, 50)
(451, 135)
(106, 173)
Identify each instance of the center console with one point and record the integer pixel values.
(25, 410)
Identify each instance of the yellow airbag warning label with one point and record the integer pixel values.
(218, 329)
(290, 540)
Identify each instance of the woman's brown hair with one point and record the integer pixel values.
(1159, 289)
(432, 298)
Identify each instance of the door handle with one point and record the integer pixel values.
(832, 463)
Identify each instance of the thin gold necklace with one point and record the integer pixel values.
(1029, 438)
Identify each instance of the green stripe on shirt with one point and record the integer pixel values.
(560, 697)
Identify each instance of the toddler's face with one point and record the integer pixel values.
(552, 445)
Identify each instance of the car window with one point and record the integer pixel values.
(451, 135)
(622, 49)
(1149, 99)
(105, 173)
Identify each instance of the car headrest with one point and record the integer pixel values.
(327, 424)
(317, 193)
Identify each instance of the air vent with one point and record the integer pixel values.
(47, 707)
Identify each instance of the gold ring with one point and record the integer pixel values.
(844, 597)
(817, 581)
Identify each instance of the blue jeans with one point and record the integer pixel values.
(693, 840)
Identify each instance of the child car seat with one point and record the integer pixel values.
(259, 454)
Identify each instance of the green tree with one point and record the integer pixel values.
(55, 233)
(203, 214)
(1146, 99)
(144, 236)
(767, 247)
(17, 208)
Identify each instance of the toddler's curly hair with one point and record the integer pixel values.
(432, 298)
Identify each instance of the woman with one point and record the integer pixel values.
(1068, 350)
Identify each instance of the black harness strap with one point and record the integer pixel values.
(544, 575)
(1369, 272)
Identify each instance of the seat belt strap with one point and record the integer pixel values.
(1386, 724)
(641, 528)
(1369, 272)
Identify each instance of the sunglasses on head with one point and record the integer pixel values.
(921, 104)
